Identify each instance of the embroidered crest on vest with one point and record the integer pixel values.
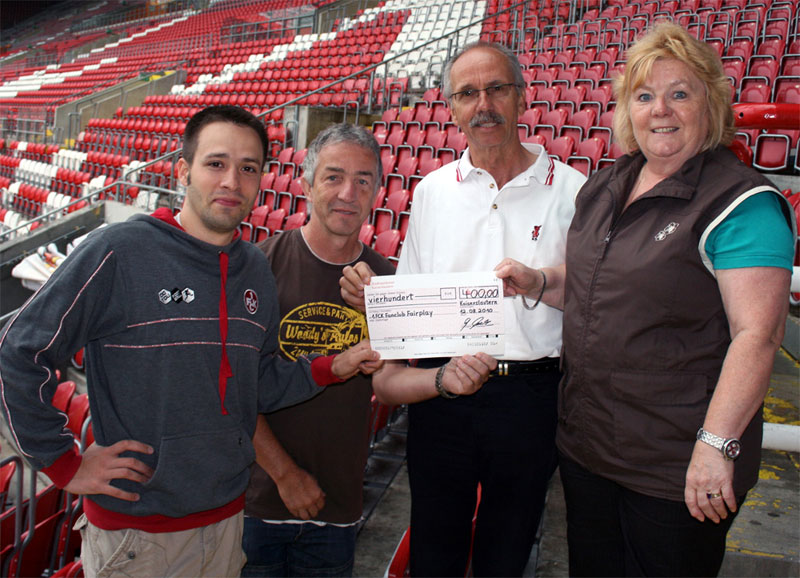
(668, 230)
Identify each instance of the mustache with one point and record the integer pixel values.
(486, 116)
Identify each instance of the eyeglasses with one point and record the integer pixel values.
(471, 95)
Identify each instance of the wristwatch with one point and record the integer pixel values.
(730, 448)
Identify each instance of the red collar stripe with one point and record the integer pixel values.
(550, 171)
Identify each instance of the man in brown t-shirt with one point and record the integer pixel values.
(305, 494)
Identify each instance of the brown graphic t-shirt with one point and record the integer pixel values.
(327, 435)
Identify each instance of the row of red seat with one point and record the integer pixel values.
(44, 540)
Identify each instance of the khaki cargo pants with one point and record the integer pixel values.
(214, 550)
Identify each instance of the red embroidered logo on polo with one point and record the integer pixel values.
(535, 232)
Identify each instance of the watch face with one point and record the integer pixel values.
(732, 449)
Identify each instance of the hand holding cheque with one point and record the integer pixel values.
(419, 316)
(462, 375)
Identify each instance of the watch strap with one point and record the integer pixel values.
(730, 447)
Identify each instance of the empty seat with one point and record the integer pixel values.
(387, 244)
(787, 89)
(561, 148)
(295, 220)
(755, 92)
(771, 152)
(367, 233)
(579, 124)
(78, 412)
(275, 221)
(400, 178)
(614, 152)
(587, 154)
(530, 118)
(63, 395)
(386, 217)
(551, 123)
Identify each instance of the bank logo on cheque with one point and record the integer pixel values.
(320, 327)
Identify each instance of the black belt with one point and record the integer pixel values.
(544, 365)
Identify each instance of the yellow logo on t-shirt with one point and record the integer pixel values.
(320, 327)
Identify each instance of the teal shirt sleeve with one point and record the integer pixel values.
(755, 234)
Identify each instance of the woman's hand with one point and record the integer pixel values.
(709, 473)
(518, 279)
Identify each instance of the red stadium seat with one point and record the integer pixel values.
(367, 234)
(787, 89)
(561, 148)
(385, 218)
(755, 92)
(530, 118)
(78, 412)
(387, 244)
(295, 220)
(388, 160)
(614, 152)
(275, 221)
(771, 152)
(578, 126)
(551, 123)
(63, 395)
(587, 154)
(426, 165)
(7, 472)
(400, 179)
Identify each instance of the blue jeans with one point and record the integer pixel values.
(297, 549)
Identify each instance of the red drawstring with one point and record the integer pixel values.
(225, 370)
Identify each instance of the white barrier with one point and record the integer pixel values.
(781, 436)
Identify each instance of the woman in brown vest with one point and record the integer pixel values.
(675, 296)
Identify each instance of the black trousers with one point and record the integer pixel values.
(502, 437)
(614, 531)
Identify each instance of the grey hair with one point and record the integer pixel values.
(511, 59)
(342, 133)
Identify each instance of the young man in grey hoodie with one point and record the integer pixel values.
(179, 320)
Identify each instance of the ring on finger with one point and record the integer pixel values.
(713, 495)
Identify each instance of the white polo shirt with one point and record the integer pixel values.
(460, 221)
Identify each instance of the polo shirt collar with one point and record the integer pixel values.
(542, 169)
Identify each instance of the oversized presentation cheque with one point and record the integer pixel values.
(415, 316)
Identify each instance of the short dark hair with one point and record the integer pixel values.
(342, 133)
(222, 113)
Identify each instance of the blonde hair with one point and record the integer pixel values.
(668, 40)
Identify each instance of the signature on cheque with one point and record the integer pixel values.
(470, 323)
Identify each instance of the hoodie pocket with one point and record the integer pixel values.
(198, 472)
(656, 415)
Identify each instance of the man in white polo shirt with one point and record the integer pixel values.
(502, 199)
